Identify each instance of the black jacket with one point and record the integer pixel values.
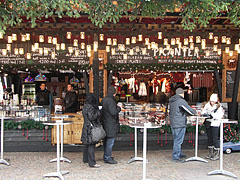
(43, 97)
(70, 102)
(110, 117)
(91, 115)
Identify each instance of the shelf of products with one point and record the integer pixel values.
(29, 93)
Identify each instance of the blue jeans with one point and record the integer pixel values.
(108, 145)
(178, 137)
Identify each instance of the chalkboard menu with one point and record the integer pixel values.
(38, 57)
(140, 54)
(100, 83)
(230, 75)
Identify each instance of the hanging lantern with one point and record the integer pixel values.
(89, 48)
(14, 37)
(33, 48)
(53, 55)
(113, 51)
(137, 49)
(171, 52)
(198, 39)
(140, 37)
(203, 46)
(50, 40)
(28, 55)
(57, 47)
(203, 41)
(45, 51)
(191, 45)
(236, 47)
(224, 39)
(149, 46)
(82, 35)
(63, 46)
(147, 41)
(40, 77)
(185, 42)
(127, 41)
(69, 35)
(228, 41)
(76, 52)
(215, 47)
(101, 37)
(159, 35)
(196, 49)
(28, 36)
(1, 35)
(173, 41)
(168, 47)
(89, 54)
(227, 49)
(190, 39)
(215, 40)
(178, 40)
(70, 50)
(36, 45)
(144, 51)
(219, 51)
(179, 45)
(41, 38)
(131, 52)
(114, 41)
(123, 47)
(230, 53)
(165, 41)
(109, 41)
(210, 35)
(9, 47)
(153, 45)
(40, 51)
(75, 42)
(207, 53)
(21, 51)
(95, 46)
(54, 40)
(83, 45)
(124, 56)
(108, 48)
(23, 37)
(134, 40)
(184, 48)
(9, 39)
(4, 52)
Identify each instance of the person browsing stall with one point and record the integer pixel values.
(179, 109)
(70, 100)
(213, 109)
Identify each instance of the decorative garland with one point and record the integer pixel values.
(163, 67)
(29, 124)
(230, 133)
(50, 67)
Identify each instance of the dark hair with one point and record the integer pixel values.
(90, 99)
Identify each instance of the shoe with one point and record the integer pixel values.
(85, 162)
(178, 160)
(182, 156)
(96, 166)
(111, 161)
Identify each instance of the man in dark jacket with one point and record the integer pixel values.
(179, 109)
(70, 100)
(44, 97)
(111, 125)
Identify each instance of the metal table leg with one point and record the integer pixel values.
(196, 158)
(2, 161)
(221, 171)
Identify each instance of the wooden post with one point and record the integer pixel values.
(218, 80)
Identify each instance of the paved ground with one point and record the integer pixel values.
(33, 165)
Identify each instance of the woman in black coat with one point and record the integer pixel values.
(91, 115)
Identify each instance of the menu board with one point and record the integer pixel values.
(100, 83)
(230, 75)
(61, 56)
(163, 55)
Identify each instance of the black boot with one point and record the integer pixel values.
(216, 154)
(210, 152)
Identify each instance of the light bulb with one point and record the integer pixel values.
(54, 40)
(230, 53)
(50, 40)
(114, 42)
(95, 46)
(40, 50)
(190, 39)
(219, 51)
(215, 47)
(16, 51)
(9, 47)
(63, 46)
(82, 35)
(127, 41)
(207, 52)
(215, 40)
(41, 38)
(53, 55)
(21, 51)
(1, 35)
(144, 51)
(45, 51)
(125, 56)
(23, 37)
(82, 45)
(185, 42)
(14, 37)
(224, 39)
(28, 55)
(159, 35)
(227, 49)
(131, 52)
(76, 52)
(69, 35)
(9, 39)
(140, 37)
(228, 41)
(210, 35)
(70, 50)
(57, 47)
(4, 52)
(134, 40)
(198, 39)
(113, 51)
(28, 37)
(173, 41)
(108, 48)
(236, 48)
(33, 48)
(75, 42)
(109, 41)
(191, 45)
(89, 48)
(165, 41)
(178, 40)
(101, 37)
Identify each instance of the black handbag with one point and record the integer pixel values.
(97, 133)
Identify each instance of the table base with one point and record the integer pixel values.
(195, 158)
(57, 174)
(135, 159)
(2, 161)
(223, 172)
(62, 159)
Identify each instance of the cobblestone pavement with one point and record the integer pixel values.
(33, 165)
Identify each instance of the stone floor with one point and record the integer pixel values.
(33, 165)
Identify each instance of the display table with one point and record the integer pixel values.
(221, 171)
(59, 173)
(2, 161)
(196, 158)
(145, 126)
(135, 158)
(62, 117)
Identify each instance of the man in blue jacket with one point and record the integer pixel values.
(179, 109)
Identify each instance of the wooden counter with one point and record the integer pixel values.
(73, 132)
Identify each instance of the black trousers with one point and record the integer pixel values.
(212, 134)
(89, 154)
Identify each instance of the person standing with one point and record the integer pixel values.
(179, 109)
(70, 100)
(110, 118)
(44, 97)
(214, 110)
(91, 116)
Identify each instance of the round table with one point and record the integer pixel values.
(57, 123)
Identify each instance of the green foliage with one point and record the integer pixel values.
(100, 12)
(29, 124)
(230, 133)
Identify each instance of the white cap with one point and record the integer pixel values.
(214, 98)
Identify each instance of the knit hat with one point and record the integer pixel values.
(214, 98)
(179, 91)
(111, 90)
